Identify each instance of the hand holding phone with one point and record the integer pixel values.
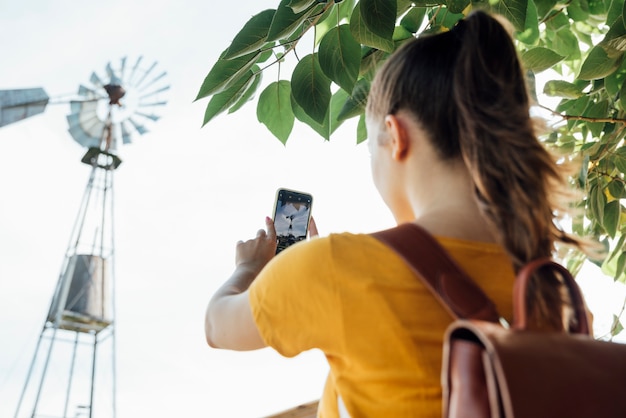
(292, 214)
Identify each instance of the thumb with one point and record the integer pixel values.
(313, 232)
(271, 229)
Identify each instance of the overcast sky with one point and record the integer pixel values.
(184, 196)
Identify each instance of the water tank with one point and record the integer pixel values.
(83, 295)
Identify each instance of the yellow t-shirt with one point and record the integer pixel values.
(380, 328)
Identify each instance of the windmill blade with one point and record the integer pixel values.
(140, 128)
(154, 80)
(152, 93)
(132, 72)
(113, 78)
(148, 71)
(83, 138)
(151, 104)
(85, 125)
(152, 117)
(123, 68)
(95, 80)
(126, 132)
(90, 94)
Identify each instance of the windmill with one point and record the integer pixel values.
(107, 112)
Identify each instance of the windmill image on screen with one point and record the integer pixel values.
(291, 217)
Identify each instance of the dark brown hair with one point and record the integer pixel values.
(467, 89)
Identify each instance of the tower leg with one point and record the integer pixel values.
(69, 384)
(114, 377)
(28, 375)
(93, 374)
(45, 369)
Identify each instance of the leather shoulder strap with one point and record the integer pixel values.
(454, 289)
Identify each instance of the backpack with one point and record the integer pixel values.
(494, 371)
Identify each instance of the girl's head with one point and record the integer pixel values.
(467, 91)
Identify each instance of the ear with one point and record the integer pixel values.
(398, 135)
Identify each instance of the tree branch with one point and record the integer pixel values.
(584, 118)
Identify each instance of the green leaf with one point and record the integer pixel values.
(225, 73)
(616, 46)
(596, 7)
(400, 33)
(222, 101)
(355, 104)
(560, 88)
(615, 266)
(311, 88)
(361, 130)
(323, 129)
(540, 59)
(616, 189)
(337, 14)
(557, 21)
(598, 64)
(618, 248)
(530, 34)
(514, 11)
(596, 110)
(379, 16)
(597, 202)
(610, 221)
(265, 54)
(249, 93)
(617, 326)
(413, 19)
(298, 6)
(544, 7)
(614, 82)
(578, 10)
(285, 22)
(615, 11)
(274, 109)
(619, 159)
(371, 61)
(443, 18)
(365, 36)
(614, 42)
(565, 43)
(252, 36)
(457, 6)
(404, 6)
(619, 269)
(340, 57)
(336, 103)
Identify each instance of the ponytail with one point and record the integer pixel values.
(513, 173)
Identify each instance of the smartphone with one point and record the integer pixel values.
(292, 214)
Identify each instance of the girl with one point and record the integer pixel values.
(453, 149)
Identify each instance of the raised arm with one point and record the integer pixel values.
(228, 321)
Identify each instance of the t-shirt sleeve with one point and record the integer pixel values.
(294, 300)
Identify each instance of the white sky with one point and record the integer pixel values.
(184, 196)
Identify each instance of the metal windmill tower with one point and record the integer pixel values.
(77, 341)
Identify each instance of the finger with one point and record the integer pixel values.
(271, 229)
(260, 233)
(313, 228)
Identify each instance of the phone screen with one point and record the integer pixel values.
(291, 217)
